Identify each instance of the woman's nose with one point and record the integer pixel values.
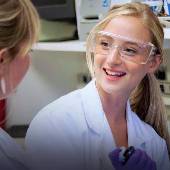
(114, 57)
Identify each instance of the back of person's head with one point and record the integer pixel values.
(19, 26)
(19, 30)
(146, 99)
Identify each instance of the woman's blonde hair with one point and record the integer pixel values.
(19, 26)
(146, 99)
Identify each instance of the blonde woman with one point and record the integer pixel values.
(121, 106)
(19, 26)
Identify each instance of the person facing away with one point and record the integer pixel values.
(121, 106)
(19, 27)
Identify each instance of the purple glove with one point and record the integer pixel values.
(139, 160)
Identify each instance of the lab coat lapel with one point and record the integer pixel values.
(92, 107)
(94, 116)
(135, 137)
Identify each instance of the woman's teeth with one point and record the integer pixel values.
(113, 73)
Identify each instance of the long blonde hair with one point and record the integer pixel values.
(19, 26)
(146, 99)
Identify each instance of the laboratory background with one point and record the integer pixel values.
(58, 63)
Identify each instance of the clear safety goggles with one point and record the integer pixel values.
(129, 49)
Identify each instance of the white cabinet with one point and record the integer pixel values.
(66, 46)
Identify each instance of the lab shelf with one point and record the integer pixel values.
(64, 46)
(80, 46)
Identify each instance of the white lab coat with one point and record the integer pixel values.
(73, 133)
(12, 157)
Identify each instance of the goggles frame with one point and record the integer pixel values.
(127, 39)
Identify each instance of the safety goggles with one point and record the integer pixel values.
(129, 49)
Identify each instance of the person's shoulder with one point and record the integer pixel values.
(65, 107)
(59, 120)
(64, 101)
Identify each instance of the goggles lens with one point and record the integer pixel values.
(129, 49)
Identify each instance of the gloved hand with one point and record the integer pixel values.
(139, 160)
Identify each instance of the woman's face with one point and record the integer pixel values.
(112, 72)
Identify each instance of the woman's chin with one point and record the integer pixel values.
(109, 88)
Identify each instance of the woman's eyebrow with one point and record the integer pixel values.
(133, 43)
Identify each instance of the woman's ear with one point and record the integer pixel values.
(3, 55)
(154, 63)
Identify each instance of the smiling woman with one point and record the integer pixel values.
(121, 106)
(149, 85)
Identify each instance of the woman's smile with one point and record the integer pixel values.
(112, 74)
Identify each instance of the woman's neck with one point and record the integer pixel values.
(114, 105)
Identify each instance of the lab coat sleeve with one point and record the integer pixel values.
(52, 141)
(12, 157)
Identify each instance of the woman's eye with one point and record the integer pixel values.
(104, 44)
(130, 51)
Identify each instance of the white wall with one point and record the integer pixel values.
(51, 75)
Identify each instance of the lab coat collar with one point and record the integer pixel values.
(136, 134)
(94, 115)
(92, 106)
